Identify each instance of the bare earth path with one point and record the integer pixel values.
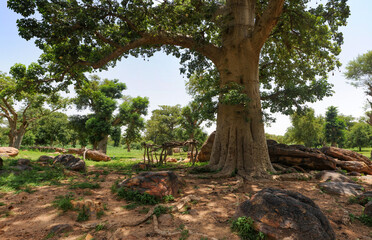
(31, 215)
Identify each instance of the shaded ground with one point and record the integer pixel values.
(31, 215)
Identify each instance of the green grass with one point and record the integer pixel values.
(63, 202)
(24, 180)
(365, 151)
(243, 226)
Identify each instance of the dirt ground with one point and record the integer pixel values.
(31, 215)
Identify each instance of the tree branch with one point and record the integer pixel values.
(160, 38)
(267, 22)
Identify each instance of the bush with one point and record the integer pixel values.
(244, 227)
(63, 202)
(143, 198)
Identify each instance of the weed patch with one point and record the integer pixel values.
(63, 202)
(243, 226)
(135, 196)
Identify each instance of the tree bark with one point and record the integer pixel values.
(240, 143)
(16, 136)
(102, 145)
(128, 146)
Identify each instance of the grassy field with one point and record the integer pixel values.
(122, 161)
(365, 151)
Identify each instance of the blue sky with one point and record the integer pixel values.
(159, 79)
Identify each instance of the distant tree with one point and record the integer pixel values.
(193, 116)
(100, 96)
(78, 124)
(334, 127)
(131, 112)
(277, 138)
(359, 136)
(348, 120)
(116, 135)
(306, 128)
(54, 128)
(161, 126)
(22, 103)
(359, 71)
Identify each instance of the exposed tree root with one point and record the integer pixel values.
(162, 232)
(185, 200)
(175, 207)
(141, 220)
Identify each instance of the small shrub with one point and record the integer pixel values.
(365, 219)
(83, 214)
(99, 214)
(243, 226)
(159, 210)
(100, 227)
(168, 198)
(136, 196)
(131, 206)
(2, 204)
(63, 202)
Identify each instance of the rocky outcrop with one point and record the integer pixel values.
(70, 162)
(298, 155)
(8, 152)
(282, 214)
(158, 184)
(326, 176)
(205, 151)
(341, 188)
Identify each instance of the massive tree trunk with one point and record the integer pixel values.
(16, 135)
(102, 145)
(240, 143)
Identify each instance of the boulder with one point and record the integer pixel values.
(364, 198)
(325, 176)
(70, 162)
(158, 184)
(368, 209)
(141, 166)
(45, 159)
(282, 214)
(341, 188)
(23, 161)
(8, 151)
(205, 151)
(97, 156)
(23, 164)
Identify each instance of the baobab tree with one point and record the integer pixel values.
(270, 53)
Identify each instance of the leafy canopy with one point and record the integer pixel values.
(79, 36)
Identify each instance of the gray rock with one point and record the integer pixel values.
(282, 214)
(70, 162)
(325, 176)
(341, 188)
(23, 161)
